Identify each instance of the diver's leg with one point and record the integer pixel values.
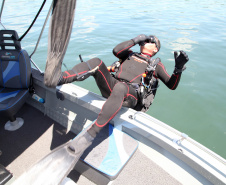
(120, 93)
(72, 74)
(105, 82)
(99, 71)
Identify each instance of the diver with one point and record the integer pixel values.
(131, 82)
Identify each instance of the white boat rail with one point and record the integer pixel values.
(182, 135)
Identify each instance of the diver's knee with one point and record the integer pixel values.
(121, 87)
(94, 62)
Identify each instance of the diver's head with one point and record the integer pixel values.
(151, 45)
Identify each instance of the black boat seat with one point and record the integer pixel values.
(15, 76)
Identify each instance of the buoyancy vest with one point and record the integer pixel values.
(132, 69)
(138, 71)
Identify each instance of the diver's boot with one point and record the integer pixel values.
(76, 77)
(80, 144)
(87, 74)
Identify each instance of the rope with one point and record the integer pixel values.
(33, 21)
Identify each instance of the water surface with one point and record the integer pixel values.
(197, 106)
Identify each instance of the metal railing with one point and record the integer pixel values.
(182, 135)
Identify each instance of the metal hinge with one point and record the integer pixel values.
(178, 141)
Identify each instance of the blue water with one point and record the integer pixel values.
(197, 106)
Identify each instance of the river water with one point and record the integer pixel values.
(197, 106)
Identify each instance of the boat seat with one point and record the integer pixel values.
(15, 76)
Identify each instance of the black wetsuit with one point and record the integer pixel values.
(118, 90)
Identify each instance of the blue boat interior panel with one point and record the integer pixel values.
(110, 152)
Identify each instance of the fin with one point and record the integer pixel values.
(53, 168)
(59, 35)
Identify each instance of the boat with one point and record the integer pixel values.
(160, 154)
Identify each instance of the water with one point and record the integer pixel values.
(197, 106)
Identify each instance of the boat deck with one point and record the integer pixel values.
(40, 134)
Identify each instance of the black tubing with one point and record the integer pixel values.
(33, 21)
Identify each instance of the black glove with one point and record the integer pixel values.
(180, 61)
(140, 38)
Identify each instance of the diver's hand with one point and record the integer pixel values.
(180, 60)
(139, 39)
